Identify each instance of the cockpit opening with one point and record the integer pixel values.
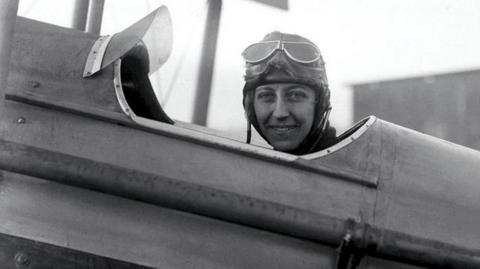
(136, 86)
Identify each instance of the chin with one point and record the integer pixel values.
(285, 147)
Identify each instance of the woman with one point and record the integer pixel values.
(286, 95)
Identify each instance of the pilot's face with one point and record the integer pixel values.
(285, 113)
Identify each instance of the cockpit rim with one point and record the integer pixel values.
(200, 136)
(349, 136)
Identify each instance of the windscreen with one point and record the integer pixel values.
(153, 31)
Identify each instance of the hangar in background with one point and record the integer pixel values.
(443, 105)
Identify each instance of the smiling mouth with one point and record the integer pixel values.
(283, 129)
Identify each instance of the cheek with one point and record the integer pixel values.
(306, 113)
(261, 111)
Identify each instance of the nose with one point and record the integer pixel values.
(281, 110)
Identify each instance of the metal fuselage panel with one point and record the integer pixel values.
(47, 64)
(427, 187)
(430, 188)
(143, 234)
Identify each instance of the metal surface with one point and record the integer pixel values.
(122, 101)
(348, 257)
(80, 13)
(430, 253)
(462, 196)
(8, 14)
(140, 233)
(95, 56)
(429, 187)
(171, 193)
(207, 62)
(383, 243)
(366, 239)
(51, 72)
(24, 253)
(134, 91)
(94, 18)
(72, 108)
(346, 138)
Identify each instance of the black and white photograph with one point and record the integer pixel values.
(240, 134)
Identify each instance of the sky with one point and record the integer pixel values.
(360, 40)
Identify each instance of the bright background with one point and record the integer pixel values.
(361, 40)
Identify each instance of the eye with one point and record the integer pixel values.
(265, 96)
(296, 95)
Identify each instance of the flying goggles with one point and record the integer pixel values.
(300, 52)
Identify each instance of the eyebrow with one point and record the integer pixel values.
(265, 88)
(297, 86)
(288, 88)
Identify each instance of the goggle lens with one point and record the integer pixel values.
(301, 52)
(297, 51)
(259, 51)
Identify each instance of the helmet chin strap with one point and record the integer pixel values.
(323, 125)
(249, 131)
(326, 114)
